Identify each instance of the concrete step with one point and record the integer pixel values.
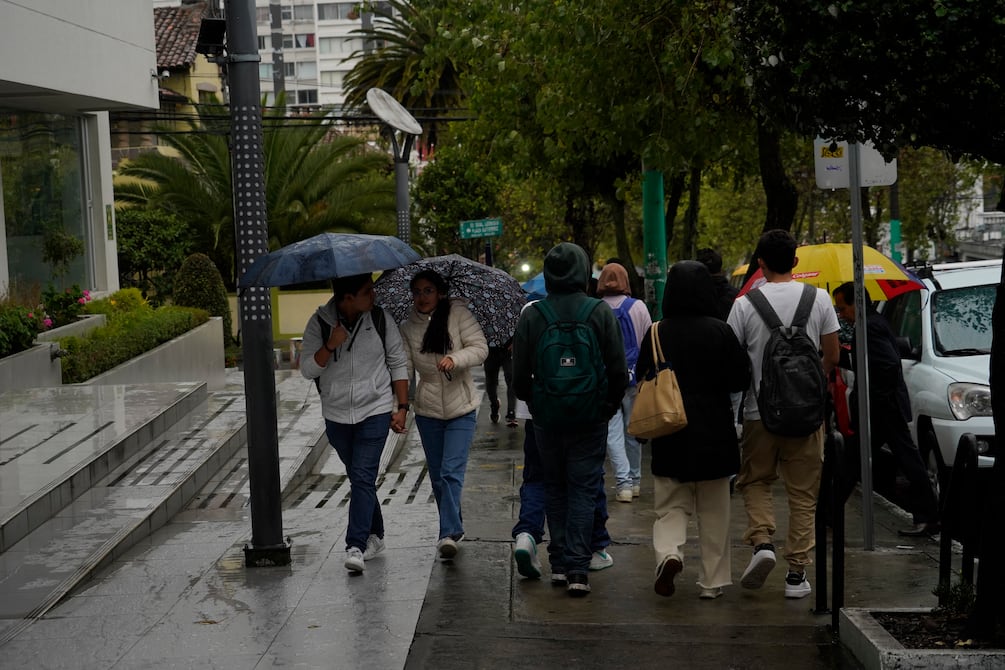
(55, 443)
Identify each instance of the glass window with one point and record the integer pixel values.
(289, 69)
(337, 11)
(286, 13)
(332, 81)
(307, 70)
(287, 41)
(328, 45)
(41, 167)
(904, 314)
(265, 71)
(262, 14)
(305, 40)
(308, 96)
(961, 320)
(261, 42)
(303, 12)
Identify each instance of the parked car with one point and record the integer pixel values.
(947, 331)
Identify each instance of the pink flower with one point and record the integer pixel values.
(82, 300)
(87, 294)
(31, 315)
(47, 323)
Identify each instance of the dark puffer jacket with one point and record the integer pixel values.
(710, 364)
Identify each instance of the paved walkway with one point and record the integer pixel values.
(182, 597)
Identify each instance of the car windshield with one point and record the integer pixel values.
(962, 320)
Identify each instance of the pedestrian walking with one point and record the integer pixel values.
(443, 341)
(725, 293)
(692, 467)
(623, 450)
(889, 410)
(767, 453)
(361, 371)
(569, 365)
(500, 358)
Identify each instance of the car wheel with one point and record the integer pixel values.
(938, 473)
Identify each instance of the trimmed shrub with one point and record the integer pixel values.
(18, 327)
(127, 335)
(199, 284)
(122, 301)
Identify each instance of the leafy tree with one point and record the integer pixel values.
(316, 180)
(151, 244)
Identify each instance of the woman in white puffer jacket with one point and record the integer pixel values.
(443, 342)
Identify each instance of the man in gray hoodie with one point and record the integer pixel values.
(362, 373)
(572, 449)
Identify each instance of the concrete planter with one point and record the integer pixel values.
(877, 649)
(197, 355)
(83, 325)
(31, 368)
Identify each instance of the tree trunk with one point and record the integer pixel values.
(673, 198)
(780, 193)
(621, 239)
(687, 247)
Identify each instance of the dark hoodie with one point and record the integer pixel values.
(566, 275)
(709, 364)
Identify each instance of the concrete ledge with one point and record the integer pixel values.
(877, 649)
(193, 356)
(31, 368)
(83, 325)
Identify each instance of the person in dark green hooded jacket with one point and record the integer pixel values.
(572, 453)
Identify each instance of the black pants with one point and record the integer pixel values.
(500, 358)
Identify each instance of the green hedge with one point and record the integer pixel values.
(126, 335)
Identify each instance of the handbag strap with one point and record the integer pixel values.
(657, 346)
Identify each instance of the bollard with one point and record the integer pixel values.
(296, 344)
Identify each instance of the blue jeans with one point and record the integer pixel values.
(532, 498)
(359, 446)
(623, 450)
(446, 443)
(572, 460)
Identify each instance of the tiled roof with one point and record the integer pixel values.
(176, 30)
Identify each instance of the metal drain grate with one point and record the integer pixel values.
(394, 488)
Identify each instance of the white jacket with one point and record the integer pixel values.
(435, 395)
(356, 383)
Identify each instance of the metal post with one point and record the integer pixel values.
(267, 546)
(401, 184)
(861, 346)
(895, 221)
(654, 241)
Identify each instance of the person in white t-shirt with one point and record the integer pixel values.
(765, 455)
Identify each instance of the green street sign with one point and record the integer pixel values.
(481, 228)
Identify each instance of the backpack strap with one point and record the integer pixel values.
(547, 311)
(805, 307)
(764, 309)
(379, 324)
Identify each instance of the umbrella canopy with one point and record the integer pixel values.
(327, 256)
(534, 287)
(494, 297)
(827, 266)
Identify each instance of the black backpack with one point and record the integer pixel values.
(570, 380)
(376, 315)
(793, 394)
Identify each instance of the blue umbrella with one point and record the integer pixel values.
(534, 287)
(327, 256)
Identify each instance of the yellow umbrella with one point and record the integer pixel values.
(827, 266)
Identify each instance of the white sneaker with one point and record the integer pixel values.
(525, 554)
(625, 495)
(710, 594)
(796, 585)
(636, 491)
(601, 560)
(374, 545)
(761, 563)
(354, 559)
(447, 547)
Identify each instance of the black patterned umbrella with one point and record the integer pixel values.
(494, 297)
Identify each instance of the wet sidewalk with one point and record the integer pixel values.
(182, 597)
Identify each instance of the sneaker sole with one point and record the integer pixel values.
(448, 551)
(525, 564)
(600, 566)
(353, 567)
(669, 569)
(797, 592)
(756, 574)
(559, 580)
(578, 590)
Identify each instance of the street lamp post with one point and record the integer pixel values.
(398, 118)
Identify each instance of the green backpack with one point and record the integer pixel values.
(570, 379)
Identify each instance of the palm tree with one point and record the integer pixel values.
(395, 58)
(316, 180)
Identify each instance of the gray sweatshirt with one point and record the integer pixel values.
(356, 383)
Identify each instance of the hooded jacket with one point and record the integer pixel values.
(566, 274)
(709, 364)
(356, 383)
(435, 395)
(613, 288)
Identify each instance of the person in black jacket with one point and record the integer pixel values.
(890, 410)
(692, 467)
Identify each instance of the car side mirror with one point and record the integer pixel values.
(905, 349)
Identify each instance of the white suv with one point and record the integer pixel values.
(948, 326)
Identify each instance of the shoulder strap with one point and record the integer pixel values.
(764, 309)
(326, 329)
(657, 345)
(547, 311)
(805, 307)
(379, 324)
(586, 309)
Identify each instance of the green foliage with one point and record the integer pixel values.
(63, 307)
(18, 327)
(198, 284)
(127, 335)
(958, 598)
(910, 73)
(59, 248)
(122, 301)
(151, 246)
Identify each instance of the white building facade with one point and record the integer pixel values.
(86, 57)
